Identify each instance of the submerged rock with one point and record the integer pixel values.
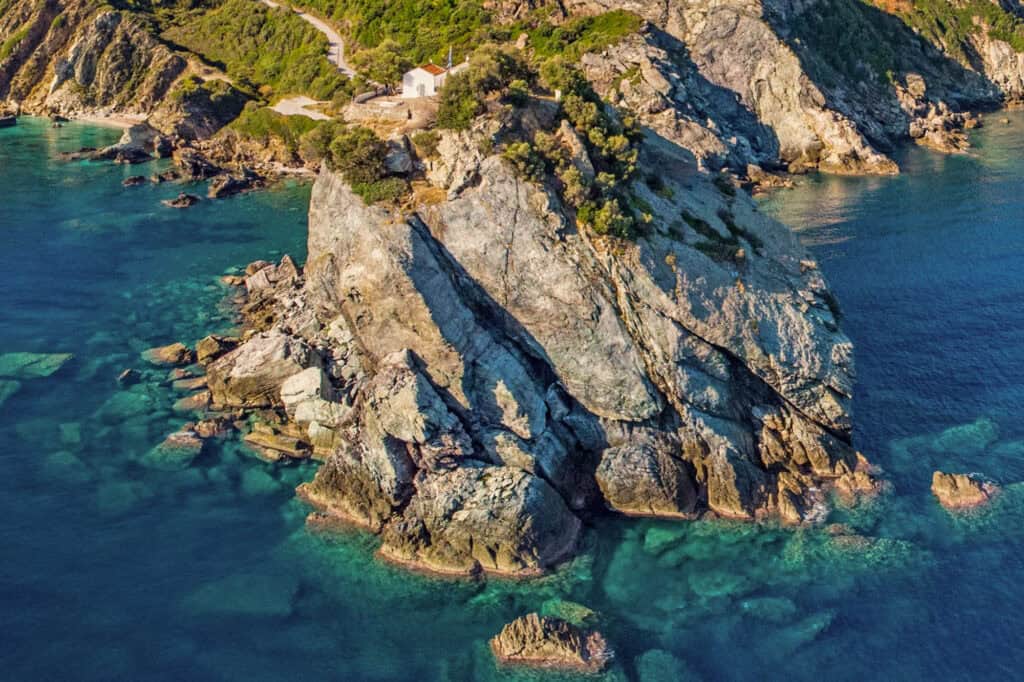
(8, 387)
(658, 665)
(176, 451)
(129, 377)
(962, 491)
(545, 642)
(247, 595)
(31, 365)
(172, 355)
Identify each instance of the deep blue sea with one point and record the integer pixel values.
(110, 570)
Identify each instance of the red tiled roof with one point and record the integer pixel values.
(433, 69)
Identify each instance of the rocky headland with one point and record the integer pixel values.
(481, 375)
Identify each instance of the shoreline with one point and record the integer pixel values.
(121, 121)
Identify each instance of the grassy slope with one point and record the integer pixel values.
(262, 48)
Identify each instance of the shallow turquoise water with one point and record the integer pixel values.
(112, 571)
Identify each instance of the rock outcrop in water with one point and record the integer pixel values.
(480, 375)
(545, 642)
(962, 491)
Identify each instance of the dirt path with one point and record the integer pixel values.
(300, 106)
(336, 46)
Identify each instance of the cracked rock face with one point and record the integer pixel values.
(763, 82)
(479, 375)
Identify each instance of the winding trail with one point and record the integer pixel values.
(336, 46)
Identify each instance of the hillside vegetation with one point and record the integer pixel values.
(951, 23)
(267, 50)
(424, 28)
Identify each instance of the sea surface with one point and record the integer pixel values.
(111, 570)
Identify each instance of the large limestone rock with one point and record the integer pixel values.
(546, 642)
(496, 519)
(655, 379)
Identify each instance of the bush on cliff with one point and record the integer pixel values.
(601, 197)
(491, 69)
(578, 36)
(359, 155)
(425, 29)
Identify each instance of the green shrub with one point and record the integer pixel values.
(557, 73)
(526, 162)
(578, 36)
(385, 189)
(460, 103)
(263, 124)
(491, 68)
(358, 154)
(518, 92)
(426, 142)
(315, 144)
(606, 217)
(384, 63)
(8, 45)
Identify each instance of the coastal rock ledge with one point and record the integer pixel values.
(480, 376)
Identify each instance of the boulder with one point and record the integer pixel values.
(183, 200)
(212, 347)
(273, 446)
(228, 185)
(309, 384)
(646, 479)
(485, 518)
(196, 402)
(962, 491)
(176, 451)
(546, 642)
(134, 181)
(252, 374)
(195, 166)
(172, 355)
(398, 160)
(189, 384)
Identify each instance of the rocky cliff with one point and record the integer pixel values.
(826, 84)
(71, 57)
(481, 375)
